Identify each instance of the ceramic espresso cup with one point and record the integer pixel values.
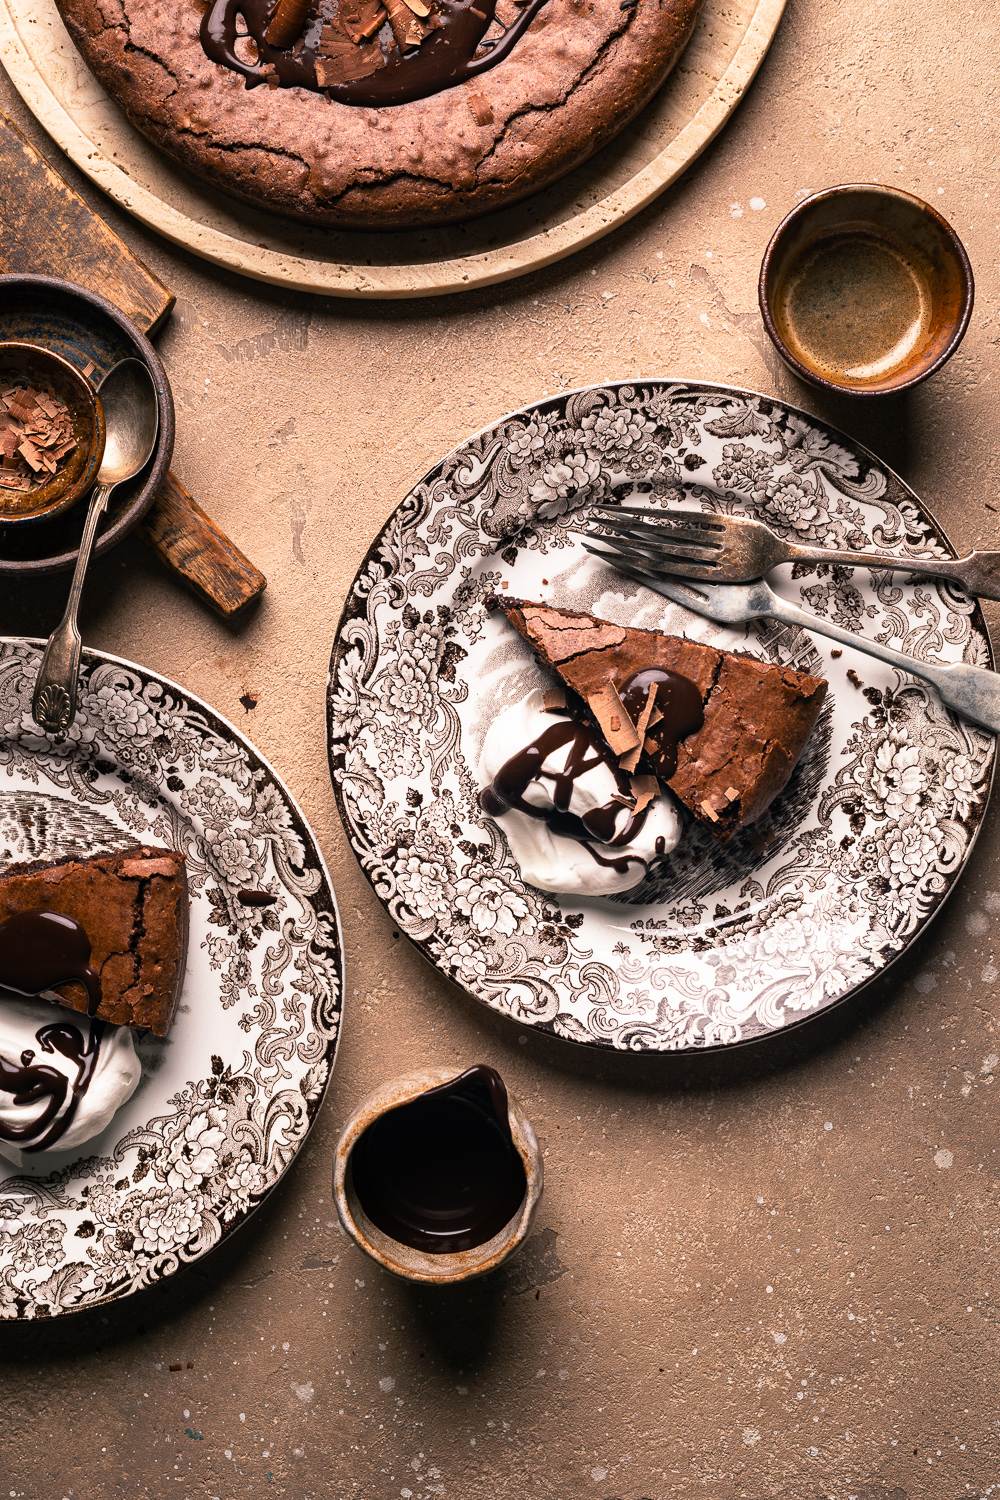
(410, 1189)
(865, 290)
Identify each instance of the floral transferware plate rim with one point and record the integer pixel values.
(324, 900)
(560, 399)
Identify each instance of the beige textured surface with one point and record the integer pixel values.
(764, 1285)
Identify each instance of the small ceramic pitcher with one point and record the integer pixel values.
(394, 1255)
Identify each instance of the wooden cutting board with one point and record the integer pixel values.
(46, 228)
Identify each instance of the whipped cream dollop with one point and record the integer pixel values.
(62, 1077)
(566, 806)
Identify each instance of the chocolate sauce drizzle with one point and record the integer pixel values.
(31, 1082)
(41, 950)
(441, 1173)
(681, 705)
(507, 791)
(456, 50)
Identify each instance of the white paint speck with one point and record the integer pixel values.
(751, 1436)
(943, 1158)
(757, 204)
(598, 1472)
(779, 1338)
(827, 1124)
(305, 1392)
(387, 1384)
(736, 210)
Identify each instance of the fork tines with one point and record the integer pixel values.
(687, 541)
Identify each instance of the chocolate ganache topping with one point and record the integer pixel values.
(363, 52)
(680, 712)
(41, 950)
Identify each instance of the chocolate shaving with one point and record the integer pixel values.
(407, 27)
(345, 62)
(645, 789)
(360, 20)
(480, 108)
(630, 761)
(613, 720)
(36, 435)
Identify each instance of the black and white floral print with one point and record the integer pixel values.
(226, 1101)
(724, 945)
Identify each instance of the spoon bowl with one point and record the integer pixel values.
(132, 420)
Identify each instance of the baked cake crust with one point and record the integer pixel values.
(133, 908)
(757, 715)
(581, 70)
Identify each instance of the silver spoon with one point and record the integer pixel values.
(133, 423)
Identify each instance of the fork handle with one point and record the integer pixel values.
(973, 692)
(978, 573)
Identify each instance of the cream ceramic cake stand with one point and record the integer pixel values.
(728, 47)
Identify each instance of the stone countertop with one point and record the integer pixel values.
(766, 1279)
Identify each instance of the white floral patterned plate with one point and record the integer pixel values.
(227, 1099)
(729, 944)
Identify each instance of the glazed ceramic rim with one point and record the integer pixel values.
(765, 287)
(220, 721)
(381, 1101)
(67, 498)
(739, 392)
(132, 513)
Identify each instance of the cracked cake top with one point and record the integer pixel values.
(380, 113)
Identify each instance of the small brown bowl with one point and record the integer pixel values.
(47, 371)
(865, 289)
(88, 331)
(401, 1259)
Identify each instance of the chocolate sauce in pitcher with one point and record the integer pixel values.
(441, 1173)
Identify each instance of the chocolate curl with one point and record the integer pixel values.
(285, 26)
(630, 761)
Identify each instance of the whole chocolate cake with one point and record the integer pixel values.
(380, 113)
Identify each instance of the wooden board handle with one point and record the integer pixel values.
(192, 545)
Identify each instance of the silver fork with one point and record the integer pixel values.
(736, 549)
(973, 692)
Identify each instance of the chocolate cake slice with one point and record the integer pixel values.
(107, 934)
(721, 729)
